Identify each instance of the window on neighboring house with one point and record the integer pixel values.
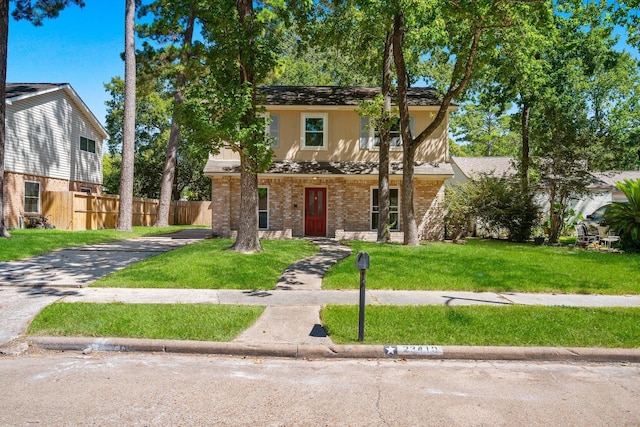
(393, 209)
(370, 137)
(31, 197)
(87, 144)
(273, 129)
(263, 208)
(314, 131)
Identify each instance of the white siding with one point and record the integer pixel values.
(43, 138)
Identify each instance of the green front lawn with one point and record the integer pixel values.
(200, 322)
(486, 265)
(208, 265)
(32, 242)
(484, 325)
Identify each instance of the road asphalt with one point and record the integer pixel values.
(290, 325)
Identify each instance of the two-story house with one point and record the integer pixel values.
(324, 179)
(53, 143)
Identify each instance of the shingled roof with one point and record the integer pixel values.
(15, 90)
(341, 96)
(290, 167)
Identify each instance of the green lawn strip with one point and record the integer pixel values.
(200, 322)
(486, 265)
(208, 265)
(486, 326)
(32, 242)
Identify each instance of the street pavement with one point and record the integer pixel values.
(290, 325)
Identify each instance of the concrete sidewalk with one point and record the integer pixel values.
(290, 325)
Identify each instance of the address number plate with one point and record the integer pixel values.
(413, 350)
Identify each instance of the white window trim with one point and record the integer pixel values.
(325, 133)
(85, 190)
(371, 211)
(267, 210)
(371, 142)
(24, 196)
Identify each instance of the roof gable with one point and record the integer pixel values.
(19, 91)
(613, 177)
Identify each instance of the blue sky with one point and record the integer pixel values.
(81, 47)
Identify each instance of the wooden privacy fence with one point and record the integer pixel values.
(69, 210)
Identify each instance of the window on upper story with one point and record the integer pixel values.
(272, 129)
(31, 197)
(314, 131)
(394, 222)
(263, 208)
(87, 144)
(370, 137)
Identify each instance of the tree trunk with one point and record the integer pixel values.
(171, 158)
(524, 164)
(4, 38)
(247, 240)
(383, 168)
(408, 151)
(128, 134)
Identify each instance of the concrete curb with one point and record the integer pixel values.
(304, 351)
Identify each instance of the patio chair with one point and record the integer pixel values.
(606, 236)
(584, 239)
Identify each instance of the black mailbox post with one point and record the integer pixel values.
(362, 264)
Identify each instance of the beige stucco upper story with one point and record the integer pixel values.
(342, 134)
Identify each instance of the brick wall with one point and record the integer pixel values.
(14, 194)
(348, 204)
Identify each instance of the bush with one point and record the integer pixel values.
(625, 217)
(498, 203)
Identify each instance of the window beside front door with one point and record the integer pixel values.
(394, 199)
(31, 197)
(370, 136)
(263, 208)
(314, 131)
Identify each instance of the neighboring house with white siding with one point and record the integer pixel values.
(53, 143)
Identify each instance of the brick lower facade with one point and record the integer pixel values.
(13, 199)
(348, 213)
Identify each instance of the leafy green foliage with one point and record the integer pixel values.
(484, 129)
(154, 107)
(625, 217)
(497, 203)
(36, 11)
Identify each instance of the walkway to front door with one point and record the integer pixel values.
(315, 212)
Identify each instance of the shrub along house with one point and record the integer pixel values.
(53, 143)
(324, 178)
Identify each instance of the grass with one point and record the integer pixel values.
(487, 326)
(207, 265)
(485, 265)
(200, 322)
(32, 242)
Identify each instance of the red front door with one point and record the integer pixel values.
(315, 211)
